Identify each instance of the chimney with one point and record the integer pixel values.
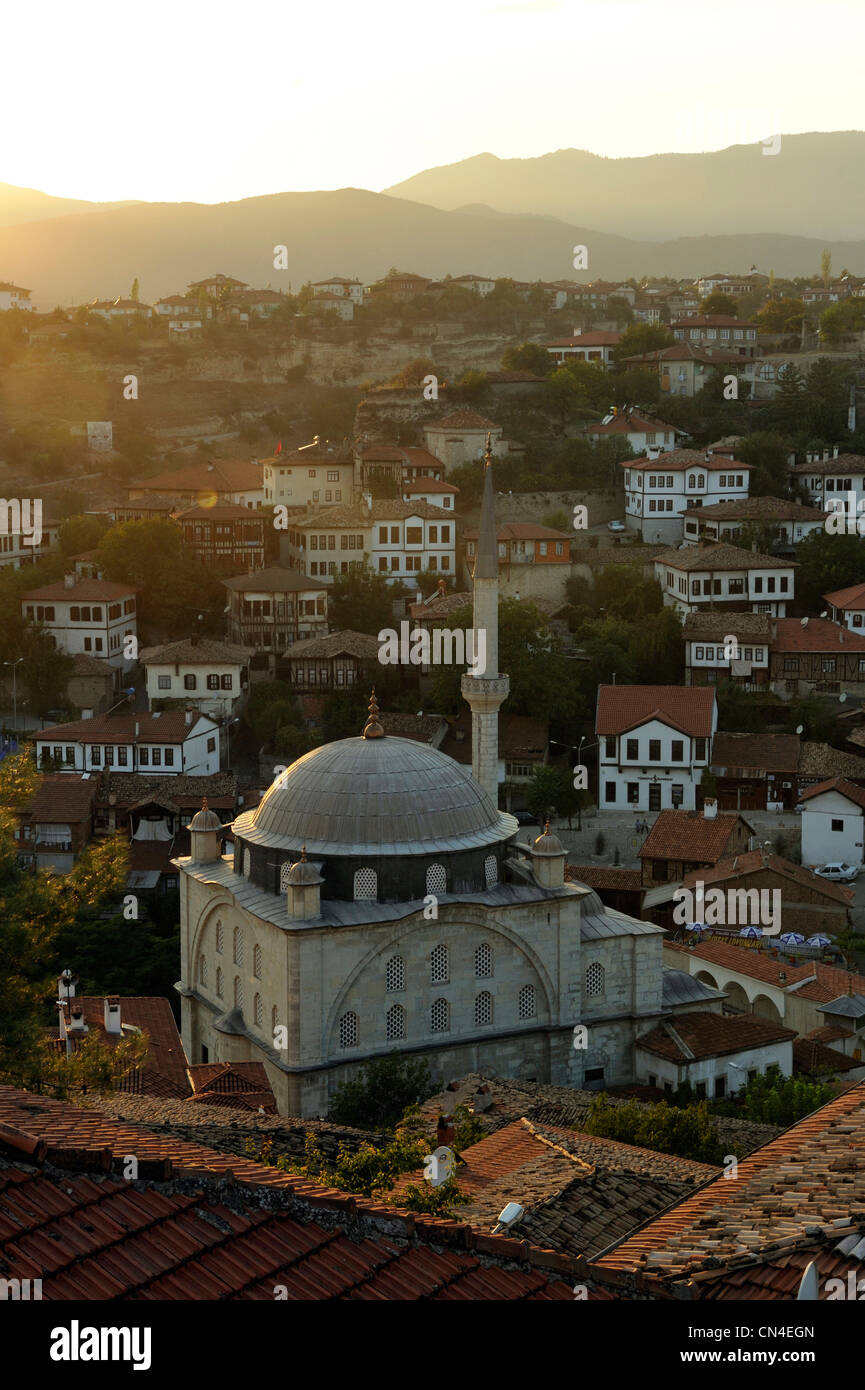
(111, 1014)
(483, 1099)
(444, 1130)
(69, 579)
(66, 984)
(76, 1019)
(189, 715)
(825, 455)
(835, 454)
(710, 808)
(137, 729)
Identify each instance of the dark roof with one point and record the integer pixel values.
(82, 591)
(721, 557)
(756, 626)
(274, 579)
(756, 508)
(359, 644)
(818, 635)
(793, 875)
(755, 752)
(64, 798)
(168, 727)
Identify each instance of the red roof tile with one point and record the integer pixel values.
(686, 708)
(689, 835)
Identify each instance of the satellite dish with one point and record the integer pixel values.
(842, 698)
(800, 728)
(825, 613)
(804, 622)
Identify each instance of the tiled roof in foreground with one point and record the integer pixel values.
(202, 1225)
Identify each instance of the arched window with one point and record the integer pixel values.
(436, 879)
(701, 481)
(238, 992)
(247, 864)
(237, 946)
(348, 1030)
(219, 990)
(365, 885)
(491, 870)
(527, 1007)
(274, 1023)
(395, 1022)
(439, 1016)
(439, 968)
(483, 1009)
(220, 938)
(483, 962)
(595, 978)
(692, 480)
(257, 1011)
(256, 962)
(394, 974)
(202, 970)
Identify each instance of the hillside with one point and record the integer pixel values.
(813, 187)
(19, 205)
(70, 259)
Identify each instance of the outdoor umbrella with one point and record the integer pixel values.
(792, 938)
(751, 932)
(819, 940)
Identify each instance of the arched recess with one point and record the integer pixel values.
(764, 1008)
(737, 1000)
(547, 1002)
(212, 908)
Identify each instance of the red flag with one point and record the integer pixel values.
(279, 447)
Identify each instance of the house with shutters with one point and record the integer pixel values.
(682, 841)
(785, 521)
(717, 330)
(210, 675)
(90, 616)
(157, 744)
(654, 743)
(725, 576)
(847, 606)
(684, 368)
(595, 346)
(397, 539)
(272, 608)
(815, 656)
(829, 476)
(727, 647)
(661, 488)
(641, 431)
(833, 823)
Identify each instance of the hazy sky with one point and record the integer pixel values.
(186, 100)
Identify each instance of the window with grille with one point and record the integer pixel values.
(483, 962)
(527, 1007)
(274, 1021)
(394, 974)
(238, 992)
(439, 1016)
(395, 1022)
(491, 870)
(220, 938)
(348, 1030)
(256, 962)
(595, 978)
(238, 946)
(439, 972)
(483, 1009)
(219, 988)
(247, 863)
(258, 1012)
(436, 879)
(202, 969)
(284, 872)
(365, 885)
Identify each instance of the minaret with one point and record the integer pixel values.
(487, 693)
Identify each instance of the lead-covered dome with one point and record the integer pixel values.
(383, 795)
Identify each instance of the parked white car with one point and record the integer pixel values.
(617, 526)
(839, 872)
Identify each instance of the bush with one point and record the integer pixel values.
(600, 842)
(378, 1095)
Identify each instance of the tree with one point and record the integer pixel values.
(361, 601)
(841, 321)
(133, 293)
(552, 792)
(414, 371)
(78, 533)
(377, 1097)
(826, 563)
(687, 1133)
(767, 454)
(782, 1100)
(825, 267)
(528, 357)
(718, 303)
(641, 338)
(781, 316)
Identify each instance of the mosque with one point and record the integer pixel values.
(377, 900)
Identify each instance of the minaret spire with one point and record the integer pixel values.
(487, 692)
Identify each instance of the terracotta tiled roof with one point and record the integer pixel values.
(814, 980)
(688, 352)
(521, 531)
(816, 1059)
(819, 635)
(181, 1239)
(853, 597)
(713, 321)
(687, 708)
(86, 665)
(844, 463)
(168, 727)
(690, 836)
(219, 475)
(359, 644)
(743, 865)
(165, 1055)
(82, 591)
(63, 797)
(275, 579)
(836, 784)
(181, 792)
(520, 736)
(597, 338)
(195, 652)
(678, 460)
(721, 557)
(429, 485)
(756, 508)
(604, 876)
(808, 1182)
(708, 1035)
(424, 728)
(385, 509)
(632, 423)
(755, 752)
(718, 625)
(441, 606)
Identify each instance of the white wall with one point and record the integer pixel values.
(822, 844)
(707, 1069)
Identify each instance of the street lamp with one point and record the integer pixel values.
(14, 665)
